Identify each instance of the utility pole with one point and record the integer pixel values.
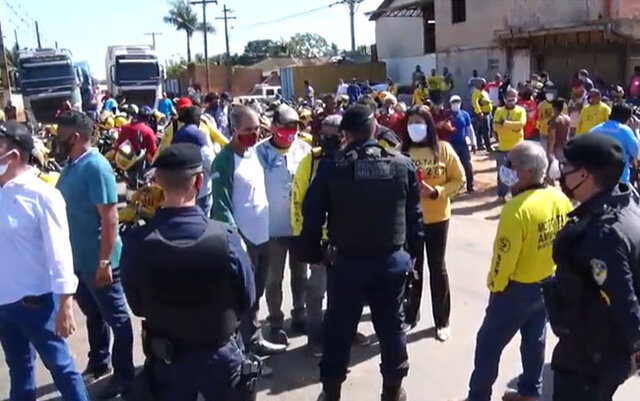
(226, 18)
(4, 71)
(38, 35)
(15, 33)
(352, 13)
(153, 38)
(56, 44)
(204, 29)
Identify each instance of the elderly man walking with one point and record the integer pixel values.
(521, 262)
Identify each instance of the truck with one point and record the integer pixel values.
(86, 83)
(133, 72)
(262, 93)
(47, 78)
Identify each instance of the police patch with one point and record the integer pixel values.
(504, 245)
(372, 170)
(599, 271)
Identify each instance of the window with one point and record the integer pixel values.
(458, 11)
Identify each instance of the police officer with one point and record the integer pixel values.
(372, 201)
(593, 299)
(190, 278)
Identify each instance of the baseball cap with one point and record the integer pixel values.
(180, 156)
(183, 103)
(594, 151)
(17, 133)
(285, 115)
(455, 98)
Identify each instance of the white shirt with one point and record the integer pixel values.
(34, 240)
(342, 89)
(250, 205)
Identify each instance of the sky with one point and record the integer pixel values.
(87, 27)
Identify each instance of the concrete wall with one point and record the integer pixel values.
(399, 37)
(532, 14)
(324, 78)
(242, 80)
(626, 9)
(483, 18)
(400, 69)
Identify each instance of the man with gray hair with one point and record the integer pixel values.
(522, 261)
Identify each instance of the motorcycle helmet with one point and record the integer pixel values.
(106, 121)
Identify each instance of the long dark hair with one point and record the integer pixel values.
(432, 136)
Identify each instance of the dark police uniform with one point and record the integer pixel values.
(593, 298)
(371, 199)
(190, 278)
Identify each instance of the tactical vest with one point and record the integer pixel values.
(367, 200)
(191, 287)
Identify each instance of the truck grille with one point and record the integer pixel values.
(141, 97)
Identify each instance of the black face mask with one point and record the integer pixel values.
(330, 142)
(570, 192)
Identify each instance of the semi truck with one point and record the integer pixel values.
(47, 78)
(133, 72)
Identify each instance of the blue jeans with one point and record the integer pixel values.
(501, 160)
(106, 307)
(210, 373)
(465, 158)
(23, 326)
(376, 280)
(518, 308)
(482, 131)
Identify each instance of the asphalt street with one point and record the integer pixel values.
(439, 371)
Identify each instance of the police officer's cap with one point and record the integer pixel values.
(355, 117)
(18, 133)
(593, 152)
(180, 156)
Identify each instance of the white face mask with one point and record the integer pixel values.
(549, 97)
(508, 176)
(417, 132)
(455, 107)
(4, 167)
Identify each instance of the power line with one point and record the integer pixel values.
(153, 37)
(273, 21)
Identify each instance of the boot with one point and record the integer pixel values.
(393, 392)
(330, 391)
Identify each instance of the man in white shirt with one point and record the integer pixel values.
(37, 266)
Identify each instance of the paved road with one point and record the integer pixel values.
(438, 371)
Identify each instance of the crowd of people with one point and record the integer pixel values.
(352, 190)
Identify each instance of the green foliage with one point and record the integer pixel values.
(173, 68)
(184, 18)
(308, 45)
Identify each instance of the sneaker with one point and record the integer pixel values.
(512, 395)
(93, 374)
(443, 333)
(315, 349)
(401, 396)
(361, 340)
(264, 347)
(278, 336)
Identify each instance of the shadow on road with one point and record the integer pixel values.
(547, 383)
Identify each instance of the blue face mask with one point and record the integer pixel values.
(508, 176)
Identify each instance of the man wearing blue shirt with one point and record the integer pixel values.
(617, 129)
(88, 186)
(354, 91)
(109, 103)
(462, 123)
(165, 106)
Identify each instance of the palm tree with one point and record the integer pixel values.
(183, 18)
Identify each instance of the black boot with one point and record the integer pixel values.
(393, 392)
(330, 391)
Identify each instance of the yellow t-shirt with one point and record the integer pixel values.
(592, 115)
(434, 82)
(446, 175)
(545, 113)
(522, 250)
(213, 136)
(420, 96)
(510, 132)
(481, 102)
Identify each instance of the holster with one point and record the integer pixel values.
(413, 295)
(245, 386)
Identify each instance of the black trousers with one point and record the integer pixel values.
(435, 235)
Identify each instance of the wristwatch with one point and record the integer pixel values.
(105, 264)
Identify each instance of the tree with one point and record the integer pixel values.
(259, 48)
(308, 45)
(183, 18)
(175, 67)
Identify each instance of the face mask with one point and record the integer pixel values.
(391, 110)
(508, 176)
(248, 140)
(417, 132)
(570, 192)
(511, 102)
(549, 97)
(554, 170)
(455, 107)
(4, 167)
(284, 137)
(330, 142)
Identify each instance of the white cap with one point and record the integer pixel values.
(455, 98)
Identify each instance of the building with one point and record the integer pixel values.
(516, 36)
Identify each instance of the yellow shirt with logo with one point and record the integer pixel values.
(446, 175)
(522, 251)
(434, 82)
(509, 124)
(545, 113)
(481, 102)
(592, 115)
(420, 96)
